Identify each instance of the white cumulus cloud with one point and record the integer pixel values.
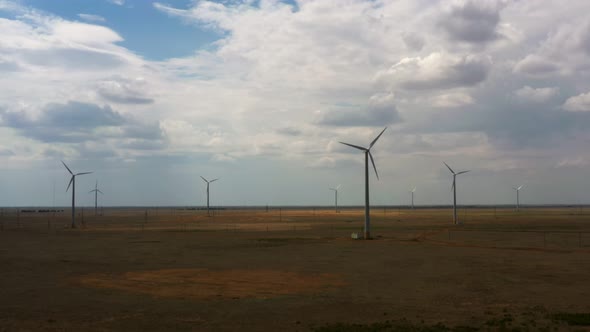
(455, 99)
(537, 95)
(436, 71)
(579, 103)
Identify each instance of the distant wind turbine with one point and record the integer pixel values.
(517, 197)
(412, 193)
(73, 184)
(454, 188)
(96, 191)
(367, 156)
(208, 182)
(336, 197)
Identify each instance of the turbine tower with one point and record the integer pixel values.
(73, 184)
(96, 191)
(336, 197)
(412, 193)
(517, 197)
(208, 182)
(454, 188)
(368, 155)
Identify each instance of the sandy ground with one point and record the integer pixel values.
(204, 284)
(259, 271)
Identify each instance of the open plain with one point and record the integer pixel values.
(294, 270)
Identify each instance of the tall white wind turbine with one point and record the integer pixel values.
(96, 191)
(412, 193)
(208, 182)
(454, 188)
(73, 184)
(517, 197)
(336, 197)
(368, 155)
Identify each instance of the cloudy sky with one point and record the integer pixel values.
(151, 95)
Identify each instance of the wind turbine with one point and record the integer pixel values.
(336, 197)
(367, 156)
(208, 182)
(517, 197)
(96, 191)
(412, 193)
(454, 188)
(73, 184)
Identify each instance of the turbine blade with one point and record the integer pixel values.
(84, 173)
(204, 179)
(462, 172)
(100, 191)
(69, 184)
(376, 138)
(354, 146)
(91, 191)
(338, 187)
(67, 167)
(373, 162)
(453, 186)
(413, 190)
(332, 189)
(449, 168)
(213, 180)
(519, 188)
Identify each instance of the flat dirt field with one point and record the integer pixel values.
(296, 270)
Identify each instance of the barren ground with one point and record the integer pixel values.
(292, 270)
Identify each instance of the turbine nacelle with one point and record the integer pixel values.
(454, 174)
(73, 175)
(335, 189)
(96, 189)
(368, 150)
(209, 181)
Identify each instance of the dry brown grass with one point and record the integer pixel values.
(209, 284)
(285, 270)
